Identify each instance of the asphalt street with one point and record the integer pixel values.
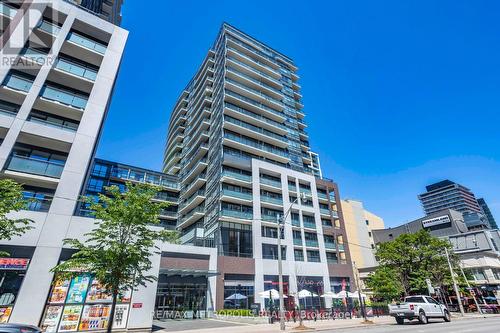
(480, 325)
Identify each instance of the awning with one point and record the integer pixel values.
(188, 272)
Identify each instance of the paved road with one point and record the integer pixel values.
(172, 325)
(481, 325)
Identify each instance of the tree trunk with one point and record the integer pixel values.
(112, 312)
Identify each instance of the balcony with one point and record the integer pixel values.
(255, 132)
(195, 199)
(312, 243)
(7, 10)
(35, 166)
(255, 118)
(239, 195)
(335, 214)
(245, 67)
(64, 97)
(243, 89)
(330, 245)
(271, 200)
(341, 247)
(8, 109)
(237, 214)
(324, 211)
(310, 225)
(297, 241)
(191, 217)
(76, 69)
(322, 196)
(87, 43)
(48, 27)
(256, 106)
(270, 182)
(256, 148)
(238, 176)
(18, 83)
(269, 218)
(296, 223)
(54, 122)
(34, 55)
(38, 204)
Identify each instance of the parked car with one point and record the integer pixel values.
(419, 307)
(19, 328)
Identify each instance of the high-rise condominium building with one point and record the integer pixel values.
(487, 213)
(448, 195)
(59, 65)
(109, 10)
(238, 143)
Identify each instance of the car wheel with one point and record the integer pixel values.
(400, 321)
(422, 318)
(447, 317)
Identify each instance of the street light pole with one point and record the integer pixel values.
(455, 286)
(280, 262)
(361, 303)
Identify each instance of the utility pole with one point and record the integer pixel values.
(472, 292)
(280, 277)
(455, 286)
(361, 303)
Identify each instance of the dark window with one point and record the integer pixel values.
(313, 256)
(236, 240)
(299, 255)
(270, 251)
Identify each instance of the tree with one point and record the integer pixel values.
(413, 258)
(117, 250)
(11, 200)
(384, 285)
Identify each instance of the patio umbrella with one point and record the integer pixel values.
(236, 297)
(273, 292)
(306, 293)
(354, 294)
(329, 294)
(342, 294)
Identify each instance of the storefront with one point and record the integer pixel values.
(12, 271)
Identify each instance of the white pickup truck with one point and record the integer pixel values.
(419, 307)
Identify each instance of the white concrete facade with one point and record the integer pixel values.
(54, 224)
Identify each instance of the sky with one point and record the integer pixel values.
(397, 94)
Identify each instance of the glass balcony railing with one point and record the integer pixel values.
(197, 210)
(49, 27)
(38, 204)
(249, 78)
(312, 243)
(297, 241)
(296, 223)
(252, 143)
(310, 225)
(166, 197)
(292, 188)
(236, 194)
(255, 103)
(35, 167)
(255, 129)
(324, 211)
(254, 91)
(254, 115)
(186, 202)
(18, 83)
(168, 213)
(7, 10)
(71, 67)
(237, 214)
(272, 200)
(269, 218)
(335, 214)
(64, 97)
(72, 127)
(256, 52)
(330, 245)
(255, 70)
(87, 42)
(322, 195)
(341, 247)
(270, 182)
(33, 54)
(8, 109)
(236, 175)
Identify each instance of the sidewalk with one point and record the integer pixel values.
(320, 325)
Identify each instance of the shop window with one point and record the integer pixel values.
(82, 304)
(12, 271)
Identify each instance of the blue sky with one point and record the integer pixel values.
(397, 94)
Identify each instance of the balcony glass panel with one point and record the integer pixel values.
(18, 83)
(253, 102)
(271, 200)
(252, 143)
(7, 10)
(64, 97)
(311, 225)
(269, 218)
(312, 243)
(254, 115)
(296, 223)
(297, 241)
(330, 245)
(236, 175)
(237, 214)
(270, 182)
(324, 211)
(341, 247)
(76, 69)
(236, 194)
(8, 109)
(255, 129)
(35, 166)
(37, 203)
(33, 54)
(87, 42)
(49, 27)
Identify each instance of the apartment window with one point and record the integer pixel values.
(53, 121)
(313, 256)
(369, 234)
(367, 222)
(326, 222)
(298, 254)
(332, 258)
(336, 224)
(270, 232)
(236, 240)
(39, 199)
(270, 251)
(478, 274)
(99, 170)
(95, 185)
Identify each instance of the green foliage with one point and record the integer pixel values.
(384, 284)
(117, 251)
(410, 259)
(11, 200)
